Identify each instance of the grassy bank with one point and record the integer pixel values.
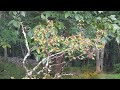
(9, 70)
(109, 76)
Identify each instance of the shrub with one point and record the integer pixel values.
(9, 70)
(117, 68)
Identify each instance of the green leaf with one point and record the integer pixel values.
(113, 17)
(34, 48)
(77, 17)
(37, 17)
(16, 24)
(38, 50)
(100, 11)
(111, 34)
(8, 45)
(58, 44)
(67, 15)
(75, 12)
(23, 13)
(15, 13)
(116, 27)
(38, 57)
(48, 15)
(99, 18)
(42, 16)
(30, 34)
(47, 35)
(4, 46)
(118, 39)
(107, 38)
(104, 40)
(11, 22)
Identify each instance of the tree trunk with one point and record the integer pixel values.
(5, 53)
(23, 54)
(13, 50)
(101, 59)
(98, 69)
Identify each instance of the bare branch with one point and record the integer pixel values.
(44, 59)
(27, 46)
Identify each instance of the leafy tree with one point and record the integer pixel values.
(7, 35)
(79, 34)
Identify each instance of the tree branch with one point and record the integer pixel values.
(27, 46)
(43, 60)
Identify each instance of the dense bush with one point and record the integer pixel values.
(116, 68)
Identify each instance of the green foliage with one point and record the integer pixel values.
(23, 13)
(15, 23)
(72, 70)
(73, 32)
(94, 76)
(9, 70)
(81, 69)
(116, 68)
(7, 37)
(71, 77)
(108, 76)
(118, 39)
(86, 68)
(48, 42)
(73, 20)
(80, 73)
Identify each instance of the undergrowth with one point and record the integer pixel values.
(9, 70)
